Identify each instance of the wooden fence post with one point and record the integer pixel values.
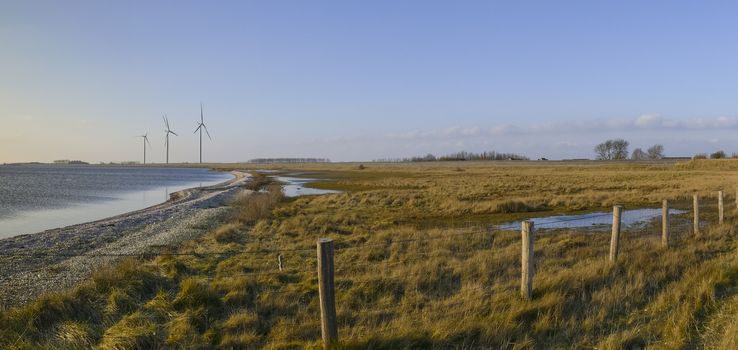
(721, 208)
(526, 280)
(665, 224)
(327, 292)
(615, 237)
(696, 205)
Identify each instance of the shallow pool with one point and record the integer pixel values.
(295, 187)
(590, 220)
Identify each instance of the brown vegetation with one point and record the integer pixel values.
(412, 273)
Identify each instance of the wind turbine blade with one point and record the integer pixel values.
(201, 120)
(175, 134)
(207, 132)
(198, 128)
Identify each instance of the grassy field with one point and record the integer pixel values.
(417, 266)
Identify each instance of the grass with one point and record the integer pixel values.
(413, 270)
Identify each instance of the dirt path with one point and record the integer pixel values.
(57, 259)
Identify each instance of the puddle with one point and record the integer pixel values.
(295, 187)
(594, 220)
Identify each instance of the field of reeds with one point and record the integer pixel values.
(419, 264)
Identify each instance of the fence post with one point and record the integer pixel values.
(696, 205)
(526, 278)
(327, 292)
(665, 224)
(615, 237)
(721, 211)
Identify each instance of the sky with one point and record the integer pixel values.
(363, 80)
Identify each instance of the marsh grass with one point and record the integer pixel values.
(411, 272)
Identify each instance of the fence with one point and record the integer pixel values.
(296, 260)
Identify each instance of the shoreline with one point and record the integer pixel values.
(57, 259)
(51, 203)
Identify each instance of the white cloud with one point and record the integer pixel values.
(570, 139)
(446, 133)
(654, 122)
(649, 121)
(505, 129)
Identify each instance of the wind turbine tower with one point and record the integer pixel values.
(145, 138)
(200, 126)
(167, 131)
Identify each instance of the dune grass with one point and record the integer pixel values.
(415, 269)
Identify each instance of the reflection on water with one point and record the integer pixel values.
(594, 220)
(295, 187)
(31, 221)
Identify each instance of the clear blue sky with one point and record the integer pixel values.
(358, 80)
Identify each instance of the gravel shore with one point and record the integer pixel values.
(57, 259)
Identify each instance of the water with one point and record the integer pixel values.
(34, 198)
(295, 187)
(594, 220)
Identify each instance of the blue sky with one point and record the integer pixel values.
(352, 80)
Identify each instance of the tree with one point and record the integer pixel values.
(656, 152)
(718, 155)
(602, 151)
(620, 149)
(638, 154)
(700, 156)
(612, 149)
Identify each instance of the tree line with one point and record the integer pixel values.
(717, 155)
(289, 160)
(458, 156)
(617, 149)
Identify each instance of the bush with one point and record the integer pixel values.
(251, 208)
(718, 155)
(514, 206)
(258, 181)
(228, 233)
(194, 293)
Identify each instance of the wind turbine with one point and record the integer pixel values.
(167, 131)
(145, 138)
(200, 126)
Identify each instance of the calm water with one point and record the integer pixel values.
(34, 198)
(295, 187)
(593, 220)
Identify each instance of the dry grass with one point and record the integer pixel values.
(456, 292)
